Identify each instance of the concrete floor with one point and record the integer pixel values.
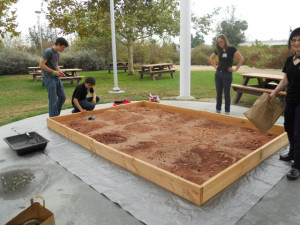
(61, 189)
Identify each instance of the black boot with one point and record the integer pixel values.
(293, 174)
(286, 157)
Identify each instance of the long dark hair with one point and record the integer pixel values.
(226, 43)
(294, 33)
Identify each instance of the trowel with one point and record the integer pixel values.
(92, 117)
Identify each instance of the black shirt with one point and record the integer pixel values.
(81, 92)
(293, 75)
(225, 59)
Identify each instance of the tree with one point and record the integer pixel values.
(8, 18)
(48, 36)
(202, 25)
(197, 40)
(233, 28)
(134, 19)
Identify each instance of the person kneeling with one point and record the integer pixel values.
(79, 100)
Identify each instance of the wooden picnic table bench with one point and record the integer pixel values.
(36, 71)
(70, 78)
(120, 66)
(157, 69)
(266, 83)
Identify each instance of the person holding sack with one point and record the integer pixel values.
(291, 82)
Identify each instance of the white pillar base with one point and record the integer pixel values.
(116, 91)
(185, 98)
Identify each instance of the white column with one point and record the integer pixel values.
(185, 50)
(116, 89)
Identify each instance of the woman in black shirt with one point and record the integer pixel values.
(223, 75)
(291, 82)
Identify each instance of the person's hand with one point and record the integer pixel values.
(83, 111)
(59, 74)
(272, 96)
(94, 102)
(230, 69)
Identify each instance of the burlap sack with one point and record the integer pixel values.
(263, 114)
(34, 214)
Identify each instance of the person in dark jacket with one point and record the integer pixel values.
(291, 82)
(79, 100)
(223, 75)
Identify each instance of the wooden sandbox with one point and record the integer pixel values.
(192, 191)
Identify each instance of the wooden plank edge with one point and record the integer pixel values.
(232, 120)
(182, 187)
(71, 134)
(238, 169)
(202, 195)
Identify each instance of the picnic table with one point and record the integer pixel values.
(157, 69)
(266, 83)
(120, 66)
(72, 74)
(36, 71)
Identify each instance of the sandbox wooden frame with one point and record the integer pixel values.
(198, 194)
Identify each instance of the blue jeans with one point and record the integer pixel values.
(223, 81)
(56, 95)
(292, 127)
(86, 104)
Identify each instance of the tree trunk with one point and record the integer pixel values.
(130, 57)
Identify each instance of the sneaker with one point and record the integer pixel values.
(293, 174)
(218, 111)
(227, 113)
(74, 111)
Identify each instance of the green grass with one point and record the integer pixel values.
(21, 97)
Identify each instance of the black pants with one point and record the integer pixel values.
(223, 82)
(86, 104)
(292, 127)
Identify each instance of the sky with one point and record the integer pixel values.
(266, 19)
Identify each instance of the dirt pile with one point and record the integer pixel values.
(195, 149)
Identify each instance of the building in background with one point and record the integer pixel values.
(270, 42)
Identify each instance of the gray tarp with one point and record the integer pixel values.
(152, 204)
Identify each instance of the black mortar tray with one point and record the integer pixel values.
(26, 143)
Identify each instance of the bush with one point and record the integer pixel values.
(201, 54)
(86, 60)
(14, 61)
(278, 57)
(152, 52)
(264, 56)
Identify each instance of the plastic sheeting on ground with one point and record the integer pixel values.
(152, 204)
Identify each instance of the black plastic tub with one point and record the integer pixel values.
(26, 143)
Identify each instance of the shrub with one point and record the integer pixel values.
(14, 61)
(151, 51)
(265, 56)
(86, 60)
(278, 57)
(201, 54)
